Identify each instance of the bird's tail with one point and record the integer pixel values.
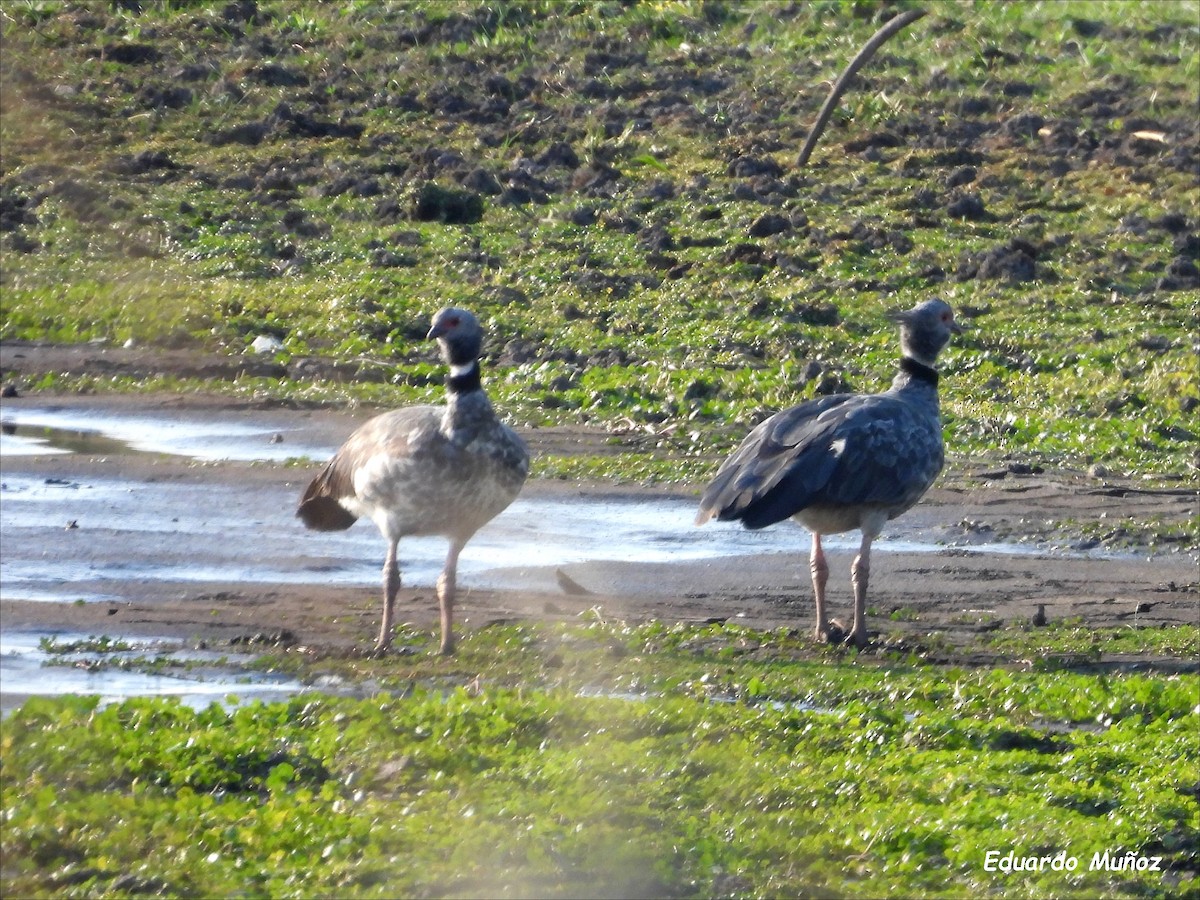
(319, 507)
(716, 503)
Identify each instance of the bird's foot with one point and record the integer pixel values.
(833, 632)
(857, 638)
(837, 633)
(379, 651)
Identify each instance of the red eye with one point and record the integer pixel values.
(454, 321)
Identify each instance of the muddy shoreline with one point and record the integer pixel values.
(954, 592)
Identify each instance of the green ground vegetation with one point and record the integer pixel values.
(609, 760)
(195, 175)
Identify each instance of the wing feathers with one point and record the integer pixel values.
(391, 433)
(844, 450)
(780, 465)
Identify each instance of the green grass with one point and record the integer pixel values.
(1051, 370)
(740, 766)
(1074, 639)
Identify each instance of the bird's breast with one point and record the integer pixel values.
(448, 488)
(836, 519)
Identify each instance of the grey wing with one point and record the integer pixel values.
(780, 466)
(888, 454)
(399, 436)
(402, 456)
(504, 450)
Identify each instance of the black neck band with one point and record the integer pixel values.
(919, 371)
(466, 382)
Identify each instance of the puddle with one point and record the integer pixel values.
(23, 673)
(24, 442)
(35, 430)
(76, 538)
(65, 539)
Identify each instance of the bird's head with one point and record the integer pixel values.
(459, 334)
(925, 330)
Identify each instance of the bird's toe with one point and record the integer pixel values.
(856, 639)
(833, 633)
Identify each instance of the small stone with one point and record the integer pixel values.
(266, 343)
(1020, 468)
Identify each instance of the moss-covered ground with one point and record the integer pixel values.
(610, 760)
(613, 186)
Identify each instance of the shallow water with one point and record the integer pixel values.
(35, 430)
(24, 671)
(61, 532)
(72, 539)
(151, 531)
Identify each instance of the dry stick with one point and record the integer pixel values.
(890, 27)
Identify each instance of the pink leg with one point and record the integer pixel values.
(446, 588)
(860, 571)
(820, 574)
(391, 587)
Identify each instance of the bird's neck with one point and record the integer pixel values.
(463, 379)
(913, 371)
(918, 371)
(468, 408)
